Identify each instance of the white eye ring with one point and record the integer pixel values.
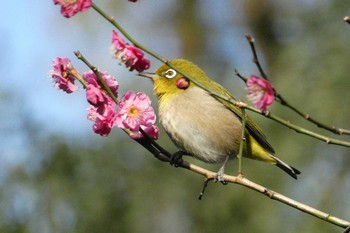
(170, 73)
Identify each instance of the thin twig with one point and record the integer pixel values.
(251, 40)
(301, 130)
(244, 79)
(98, 75)
(75, 73)
(284, 102)
(240, 153)
(307, 117)
(205, 185)
(151, 148)
(156, 145)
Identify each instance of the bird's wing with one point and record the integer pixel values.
(251, 126)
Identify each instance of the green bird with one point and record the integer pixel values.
(205, 127)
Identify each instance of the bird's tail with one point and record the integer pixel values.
(293, 172)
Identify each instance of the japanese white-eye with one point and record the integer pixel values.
(205, 127)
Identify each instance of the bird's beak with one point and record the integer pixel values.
(148, 75)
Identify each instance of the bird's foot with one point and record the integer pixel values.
(220, 174)
(176, 158)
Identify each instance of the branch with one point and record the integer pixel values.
(240, 153)
(98, 75)
(75, 73)
(284, 102)
(251, 40)
(240, 180)
(347, 19)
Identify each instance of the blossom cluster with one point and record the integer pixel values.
(133, 112)
(260, 92)
(132, 57)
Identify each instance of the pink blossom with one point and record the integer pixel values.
(103, 122)
(118, 42)
(132, 57)
(104, 125)
(61, 76)
(92, 113)
(102, 109)
(135, 111)
(260, 92)
(95, 94)
(111, 82)
(152, 131)
(103, 106)
(71, 7)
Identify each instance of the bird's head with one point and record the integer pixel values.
(168, 82)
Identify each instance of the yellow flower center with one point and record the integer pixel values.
(133, 111)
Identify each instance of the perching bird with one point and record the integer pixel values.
(205, 127)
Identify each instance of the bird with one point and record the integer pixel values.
(204, 126)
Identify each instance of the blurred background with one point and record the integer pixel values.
(56, 175)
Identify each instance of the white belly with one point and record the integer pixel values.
(201, 126)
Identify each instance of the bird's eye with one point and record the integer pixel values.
(170, 73)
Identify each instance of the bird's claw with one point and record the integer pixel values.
(176, 158)
(220, 176)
